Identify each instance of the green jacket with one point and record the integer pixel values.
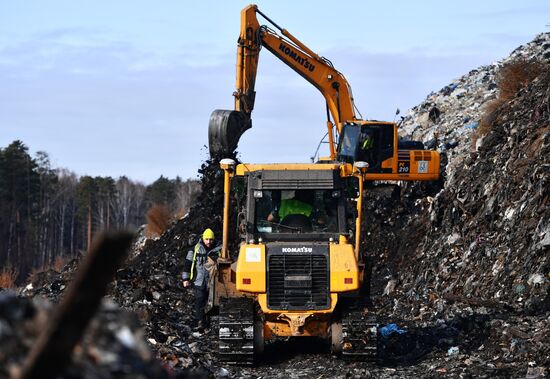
(293, 207)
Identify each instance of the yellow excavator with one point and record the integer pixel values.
(299, 270)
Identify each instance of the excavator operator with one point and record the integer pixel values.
(367, 147)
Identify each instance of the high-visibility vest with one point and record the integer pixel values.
(367, 143)
(293, 207)
(197, 248)
(192, 274)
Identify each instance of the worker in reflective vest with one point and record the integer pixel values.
(367, 149)
(196, 271)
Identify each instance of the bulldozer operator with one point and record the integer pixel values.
(296, 209)
(292, 203)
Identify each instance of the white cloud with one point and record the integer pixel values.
(104, 106)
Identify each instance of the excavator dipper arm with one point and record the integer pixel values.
(226, 127)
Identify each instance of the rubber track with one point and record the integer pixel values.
(359, 336)
(236, 331)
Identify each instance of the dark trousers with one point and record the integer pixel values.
(201, 297)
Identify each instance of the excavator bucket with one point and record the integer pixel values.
(224, 131)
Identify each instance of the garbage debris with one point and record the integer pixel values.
(454, 350)
(472, 125)
(389, 329)
(51, 351)
(104, 352)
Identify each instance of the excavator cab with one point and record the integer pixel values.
(388, 156)
(372, 143)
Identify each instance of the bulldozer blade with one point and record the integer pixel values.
(224, 131)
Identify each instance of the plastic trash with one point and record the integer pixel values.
(389, 329)
(453, 351)
(472, 125)
(222, 373)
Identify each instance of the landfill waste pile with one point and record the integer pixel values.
(113, 345)
(460, 267)
(475, 246)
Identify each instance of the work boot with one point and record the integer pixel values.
(201, 326)
(194, 325)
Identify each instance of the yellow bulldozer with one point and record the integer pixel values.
(299, 270)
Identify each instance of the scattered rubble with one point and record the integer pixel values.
(113, 346)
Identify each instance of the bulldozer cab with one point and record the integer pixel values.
(296, 206)
(307, 211)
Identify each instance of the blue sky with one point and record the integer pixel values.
(127, 87)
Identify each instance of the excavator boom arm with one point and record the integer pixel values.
(248, 53)
(226, 127)
(315, 69)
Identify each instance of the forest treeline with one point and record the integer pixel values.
(51, 213)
